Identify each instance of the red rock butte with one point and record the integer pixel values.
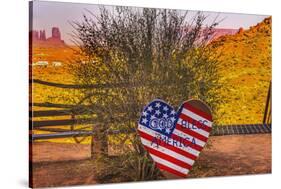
(218, 32)
(39, 38)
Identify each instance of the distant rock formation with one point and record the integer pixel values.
(34, 35)
(39, 38)
(42, 35)
(56, 36)
(218, 32)
(240, 31)
(56, 33)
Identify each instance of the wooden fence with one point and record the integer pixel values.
(72, 111)
(45, 125)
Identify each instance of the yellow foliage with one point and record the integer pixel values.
(246, 69)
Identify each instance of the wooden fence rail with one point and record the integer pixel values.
(98, 86)
(74, 109)
(48, 113)
(62, 122)
(216, 131)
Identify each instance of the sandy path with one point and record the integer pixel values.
(69, 164)
(235, 155)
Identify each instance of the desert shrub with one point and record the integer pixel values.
(133, 56)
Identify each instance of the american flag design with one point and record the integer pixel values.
(174, 139)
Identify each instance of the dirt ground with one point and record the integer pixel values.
(69, 164)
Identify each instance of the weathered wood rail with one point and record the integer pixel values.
(97, 86)
(241, 129)
(216, 131)
(45, 125)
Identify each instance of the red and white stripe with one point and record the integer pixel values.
(174, 157)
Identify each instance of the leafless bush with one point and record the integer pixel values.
(139, 55)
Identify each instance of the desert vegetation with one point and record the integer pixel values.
(152, 54)
(245, 68)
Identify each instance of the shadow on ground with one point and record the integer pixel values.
(70, 164)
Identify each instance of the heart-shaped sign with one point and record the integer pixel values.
(173, 139)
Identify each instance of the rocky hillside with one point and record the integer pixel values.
(245, 70)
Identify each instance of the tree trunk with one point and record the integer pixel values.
(99, 145)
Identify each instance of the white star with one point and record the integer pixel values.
(144, 120)
(173, 119)
(168, 130)
(144, 113)
(152, 117)
(166, 108)
(150, 108)
(173, 112)
(158, 105)
(165, 115)
(157, 112)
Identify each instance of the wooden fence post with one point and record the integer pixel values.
(99, 145)
(92, 143)
(267, 110)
